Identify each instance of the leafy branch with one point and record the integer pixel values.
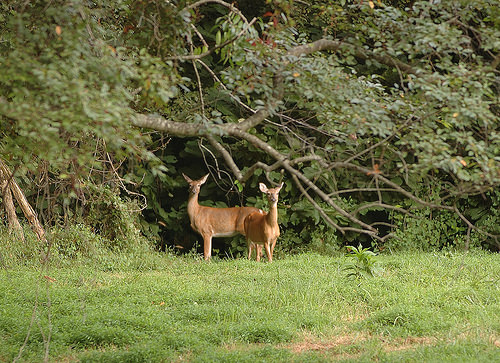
(241, 131)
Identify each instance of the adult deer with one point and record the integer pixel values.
(262, 229)
(214, 222)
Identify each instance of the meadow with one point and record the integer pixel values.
(432, 307)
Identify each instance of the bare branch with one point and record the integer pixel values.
(254, 120)
(307, 158)
(267, 169)
(27, 209)
(336, 45)
(159, 123)
(210, 51)
(496, 61)
(354, 190)
(254, 140)
(182, 129)
(472, 226)
(10, 209)
(218, 80)
(199, 35)
(390, 183)
(363, 231)
(231, 7)
(381, 205)
(239, 131)
(316, 205)
(122, 184)
(227, 157)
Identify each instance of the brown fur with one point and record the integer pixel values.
(214, 222)
(262, 229)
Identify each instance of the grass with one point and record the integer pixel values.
(442, 307)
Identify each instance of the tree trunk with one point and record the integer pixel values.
(9, 185)
(10, 209)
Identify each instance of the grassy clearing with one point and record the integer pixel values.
(420, 307)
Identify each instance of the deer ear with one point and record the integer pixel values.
(204, 179)
(262, 187)
(188, 179)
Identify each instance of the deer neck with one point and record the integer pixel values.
(193, 205)
(272, 216)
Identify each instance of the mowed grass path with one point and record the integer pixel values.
(422, 307)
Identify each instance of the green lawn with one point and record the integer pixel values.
(420, 307)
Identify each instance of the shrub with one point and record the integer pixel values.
(77, 243)
(427, 230)
(115, 219)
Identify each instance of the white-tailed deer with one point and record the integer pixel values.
(262, 229)
(214, 222)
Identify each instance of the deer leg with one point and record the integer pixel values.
(273, 244)
(250, 248)
(207, 246)
(268, 252)
(259, 252)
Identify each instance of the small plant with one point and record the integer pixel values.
(365, 264)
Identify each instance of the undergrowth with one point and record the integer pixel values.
(77, 244)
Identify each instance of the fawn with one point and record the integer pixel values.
(262, 229)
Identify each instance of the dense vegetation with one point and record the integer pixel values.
(382, 117)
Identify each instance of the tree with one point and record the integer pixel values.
(369, 108)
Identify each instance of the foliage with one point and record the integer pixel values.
(64, 91)
(486, 216)
(425, 306)
(426, 229)
(414, 130)
(65, 108)
(76, 243)
(13, 253)
(402, 113)
(365, 264)
(113, 218)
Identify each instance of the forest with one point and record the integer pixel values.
(380, 117)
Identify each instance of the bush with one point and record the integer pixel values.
(427, 230)
(115, 219)
(77, 243)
